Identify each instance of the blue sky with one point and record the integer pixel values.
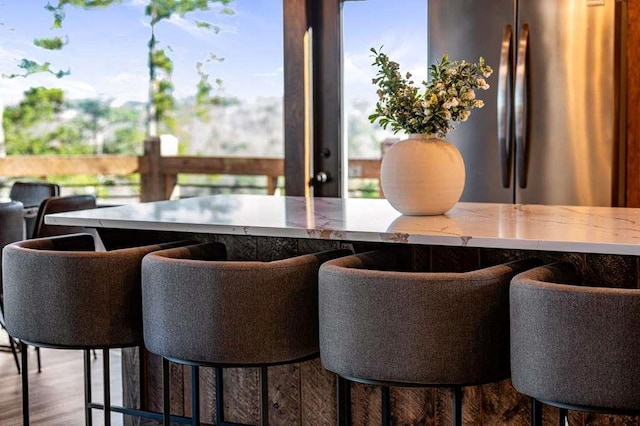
(106, 53)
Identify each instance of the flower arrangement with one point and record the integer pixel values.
(447, 98)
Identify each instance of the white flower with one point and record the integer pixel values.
(482, 84)
(450, 95)
(453, 102)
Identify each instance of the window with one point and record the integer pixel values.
(398, 26)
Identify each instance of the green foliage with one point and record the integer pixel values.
(36, 126)
(446, 98)
(55, 43)
(58, 10)
(28, 128)
(33, 67)
(39, 104)
(160, 60)
(204, 99)
(126, 140)
(161, 100)
(161, 91)
(159, 10)
(109, 130)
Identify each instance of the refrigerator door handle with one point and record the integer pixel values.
(520, 105)
(505, 72)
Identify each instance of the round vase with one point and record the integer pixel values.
(422, 175)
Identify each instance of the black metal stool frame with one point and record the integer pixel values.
(89, 404)
(343, 392)
(219, 389)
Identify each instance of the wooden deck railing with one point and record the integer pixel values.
(158, 174)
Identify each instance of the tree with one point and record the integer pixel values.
(33, 126)
(161, 103)
(30, 66)
(109, 130)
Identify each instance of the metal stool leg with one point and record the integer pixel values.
(219, 396)
(88, 419)
(12, 345)
(562, 419)
(38, 357)
(456, 417)
(195, 396)
(386, 406)
(343, 391)
(25, 384)
(106, 374)
(264, 397)
(536, 412)
(166, 393)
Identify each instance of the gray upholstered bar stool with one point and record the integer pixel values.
(60, 293)
(574, 347)
(383, 326)
(12, 228)
(202, 310)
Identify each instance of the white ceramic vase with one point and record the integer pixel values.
(422, 175)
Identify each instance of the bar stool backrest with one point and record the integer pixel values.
(31, 194)
(62, 293)
(11, 229)
(380, 324)
(59, 205)
(573, 344)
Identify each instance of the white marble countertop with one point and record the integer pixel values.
(526, 227)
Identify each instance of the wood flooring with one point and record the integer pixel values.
(57, 393)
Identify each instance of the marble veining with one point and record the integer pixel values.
(604, 230)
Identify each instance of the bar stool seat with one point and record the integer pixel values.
(380, 325)
(572, 346)
(202, 310)
(60, 293)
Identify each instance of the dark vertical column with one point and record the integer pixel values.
(326, 21)
(632, 61)
(297, 102)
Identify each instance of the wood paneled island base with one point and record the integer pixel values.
(600, 242)
(305, 393)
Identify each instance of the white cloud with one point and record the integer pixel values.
(142, 3)
(126, 87)
(189, 26)
(12, 90)
(121, 88)
(409, 52)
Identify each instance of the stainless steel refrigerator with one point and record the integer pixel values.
(552, 129)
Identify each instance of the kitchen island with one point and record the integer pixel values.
(603, 243)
